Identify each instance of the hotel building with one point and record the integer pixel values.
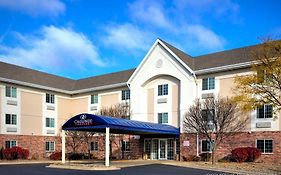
(34, 105)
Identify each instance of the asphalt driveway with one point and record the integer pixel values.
(153, 169)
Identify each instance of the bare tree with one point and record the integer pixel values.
(74, 139)
(214, 119)
(120, 110)
(87, 138)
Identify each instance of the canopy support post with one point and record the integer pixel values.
(63, 147)
(107, 146)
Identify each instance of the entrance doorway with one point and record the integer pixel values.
(162, 149)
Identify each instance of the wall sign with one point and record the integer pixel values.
(186, 143)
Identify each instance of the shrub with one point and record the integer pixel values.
(15, 153)
(205, 156)
(75, 156)
(243, 154)
(253, 153)
(1, 153)
(55, 156)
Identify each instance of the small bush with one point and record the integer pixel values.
(15, 153)
(205, 156)
(75, 156)
(191, 158)
(1, 153)
(244, 154)
(253, 153)
(55, 156)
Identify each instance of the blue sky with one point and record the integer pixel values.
(82, 38)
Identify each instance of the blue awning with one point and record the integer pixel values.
(96, 123)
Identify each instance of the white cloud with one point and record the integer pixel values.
(199, 35)
(149, 11)
(35, 7)
(53, 50)
(126, 37)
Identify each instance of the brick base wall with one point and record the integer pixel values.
(36, 146)
(244, 139)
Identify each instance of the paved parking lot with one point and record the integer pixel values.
(153, 169)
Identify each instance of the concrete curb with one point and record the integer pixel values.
(217, 169)
(26, 162)
(87, 168)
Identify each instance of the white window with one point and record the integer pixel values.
(94, 99)
(50, 122)
(125, 146)
(11, 119)
(208, 83)
(94, 146)
(50, 98)
(163, 89)
(125, 94)
(11, 91)
(10, 143)
(206, 146)
(265, 146)
(265, 111)
(163, 118)
(50, 146)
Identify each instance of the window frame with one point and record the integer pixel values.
(208, 142)
(12, 121)
(10, 143)
(125, 94)
(94, 99)
(264, 146)
(94, 146)
(125, 146)
(48, 145)
(161, 115)
(50, 122)
(11, 91)
(209, 83)
(265, 113)
(163, 90)
(50, 98)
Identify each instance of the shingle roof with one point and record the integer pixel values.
(17, 73)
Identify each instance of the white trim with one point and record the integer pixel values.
(223, 68)
(147, 56)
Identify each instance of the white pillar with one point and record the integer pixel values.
(175, 149)
(63, 146)
(197, 144)
(107, 146)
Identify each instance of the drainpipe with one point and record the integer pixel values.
(197, 134)
(128, 85)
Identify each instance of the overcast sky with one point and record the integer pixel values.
(82, 38)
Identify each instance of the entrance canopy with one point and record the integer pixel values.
(96, 123)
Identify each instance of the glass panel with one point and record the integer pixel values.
(268, 111)
(13, 143)
(211, 83)
(14, 119)
(8, 119)
(7, 144)
(268, 146)
(155, 149)
(160, 90)
(260, 112)
(205, 84)
(260, 145)
(170, 149)
(125, 94)
(147, 148)
(94, 99)
(162, 144)
(8, 91)
(165, 89)
(14, 92)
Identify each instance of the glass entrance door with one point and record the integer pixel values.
(162, 149)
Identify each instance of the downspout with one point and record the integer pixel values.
(128, 85)
(197, 134)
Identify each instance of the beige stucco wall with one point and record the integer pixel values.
(226, 86)
(79, 105)
(109, 100)
(64, 110)
(31, 113)
(150, 105)
(175, 104)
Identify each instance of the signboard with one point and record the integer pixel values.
(263, 125)
(83, 121)
(186, 143)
